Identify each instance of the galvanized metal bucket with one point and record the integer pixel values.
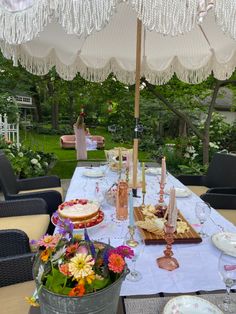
(104, 301)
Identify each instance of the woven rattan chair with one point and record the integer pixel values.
(46, 187)
(29, 215)
(16, 262)
(223, 200)
(221, 173)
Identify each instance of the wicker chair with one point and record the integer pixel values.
(223, 200)
(25, 215)
(46, 187)
(16, 262)
(221, 173)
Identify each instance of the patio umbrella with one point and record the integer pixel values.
(45, 34)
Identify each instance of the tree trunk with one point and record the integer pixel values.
(206, 136)
(54, 105)
(55, 124)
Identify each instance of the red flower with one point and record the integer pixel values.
(77, 291)
(116, 263)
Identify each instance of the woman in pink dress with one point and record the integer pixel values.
(80, 138)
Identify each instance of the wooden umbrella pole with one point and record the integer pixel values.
(136, 107)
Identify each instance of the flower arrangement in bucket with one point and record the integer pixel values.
(72, 268)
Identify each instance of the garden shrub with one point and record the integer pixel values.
(27, 163)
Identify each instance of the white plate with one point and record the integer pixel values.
(180, 192)
(153, 171)
(188, 304)
(93, 173)
(226, 242)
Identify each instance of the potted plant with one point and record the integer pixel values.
(75, 275)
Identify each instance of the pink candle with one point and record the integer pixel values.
(173, 211)
(127, 160)
(163, 171)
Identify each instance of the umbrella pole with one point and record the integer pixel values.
(136, 104)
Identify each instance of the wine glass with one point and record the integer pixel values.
(227, 271)
(135, 275)
(202, 211)
(99, 193)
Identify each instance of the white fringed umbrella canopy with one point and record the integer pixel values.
(97, 37)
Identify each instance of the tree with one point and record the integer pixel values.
(182, 99)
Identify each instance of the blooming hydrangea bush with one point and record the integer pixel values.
(68, 265)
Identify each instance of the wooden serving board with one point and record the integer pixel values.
(190, 236)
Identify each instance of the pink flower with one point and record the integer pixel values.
(124, 251)
(49, 241)
(82, 249)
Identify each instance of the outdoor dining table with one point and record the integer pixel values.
(198, 262)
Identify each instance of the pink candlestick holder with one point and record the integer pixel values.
(161, 206)
(168, 262)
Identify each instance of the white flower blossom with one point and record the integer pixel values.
(45, 164)
(39, 157)
(34, 161)
(20, 154)
(58, 254)
(186, 155)
(213, 145)
(190, 149)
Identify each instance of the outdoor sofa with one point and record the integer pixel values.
(68, 141)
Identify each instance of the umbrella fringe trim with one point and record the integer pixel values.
(83, 17)
(41, 66)
(76, 17)
(225, 12)
(169, 17)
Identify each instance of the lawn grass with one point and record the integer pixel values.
(66, 158)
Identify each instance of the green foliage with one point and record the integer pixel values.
(8, 106)
(26, 162)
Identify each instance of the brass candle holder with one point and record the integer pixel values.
(132, 242)
(167, 261)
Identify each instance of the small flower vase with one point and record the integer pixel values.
(122, 201)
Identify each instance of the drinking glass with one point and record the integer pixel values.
(227, 271)
(135, 275)
(202, 211)
(99, 193)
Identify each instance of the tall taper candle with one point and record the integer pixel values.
(163, 171)
(131, 209)
(143, 178)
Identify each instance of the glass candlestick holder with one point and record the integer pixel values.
(167, 261)
(161, 205)
(131, 241)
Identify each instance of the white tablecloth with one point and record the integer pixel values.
(198, 262)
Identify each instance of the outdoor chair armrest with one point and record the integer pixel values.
(15, 269)
(38, 183)
(220, 201)
(13, 242)
(52, 198)
(192, 180)
(223, 190)
(22, 207)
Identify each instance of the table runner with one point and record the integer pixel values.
(198, 262)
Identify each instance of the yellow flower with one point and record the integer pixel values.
(90, 278)
(80, 266)
(78, 236)
(32, 301)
